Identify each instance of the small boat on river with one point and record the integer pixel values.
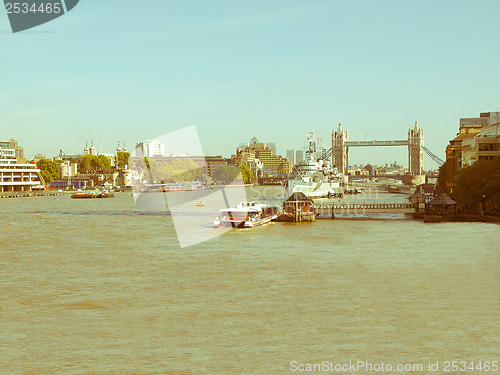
(246, 215)
(92, 194)
(85, 195)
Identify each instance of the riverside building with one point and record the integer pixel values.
(478, 138)
(15, 173)
(13, 145)
(264, 154)
(150, 149)
(483, 146)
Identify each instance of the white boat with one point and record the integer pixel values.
(315, 177)
(246, 215)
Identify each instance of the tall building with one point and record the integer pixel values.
(150, 149)
(290, 154)
(254, 140)
(244, 156)
(265, 155)
(272, 146)
(485, 145)
(468, 139)
(13, 145)
(299, 156)
(15, 174)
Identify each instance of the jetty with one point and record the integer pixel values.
(27, 194)
(325, 208)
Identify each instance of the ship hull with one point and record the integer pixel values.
(246, 215)
(246, 223)
(315, 190)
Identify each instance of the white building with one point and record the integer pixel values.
(150, 149)
(14, 176)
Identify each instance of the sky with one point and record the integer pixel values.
(120, 70)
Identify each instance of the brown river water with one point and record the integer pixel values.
(102, 287)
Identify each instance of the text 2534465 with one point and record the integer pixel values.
(24, 8)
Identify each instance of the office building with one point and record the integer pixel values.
(13, 145)
(290, 154)
(264, 154)
(485, 145)
(15, 173)
(150, 149)
(299, 156)
(468, 146)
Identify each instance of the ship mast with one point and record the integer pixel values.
(312, 145)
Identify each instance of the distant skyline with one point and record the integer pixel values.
(120, 70)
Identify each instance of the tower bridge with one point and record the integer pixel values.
(339, 152)
(376, 143)
(415, 144)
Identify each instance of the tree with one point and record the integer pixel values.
(482, 178)
(87, 163)
(93, 163)
(226, 173)
(123, 159)
(441, 182)
(103, 163)
(246, 173)
(49, 170)
(180, 170)
(84, 164)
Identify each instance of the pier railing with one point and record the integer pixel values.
(360, 208)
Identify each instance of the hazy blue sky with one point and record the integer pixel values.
(274, 69)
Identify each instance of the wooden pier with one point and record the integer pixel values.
(26, 194)
(332, 209)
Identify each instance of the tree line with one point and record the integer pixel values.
(50, 169)
(231, 174)
(181, 170)
(185, 170)
(476, 183)
(102, 164)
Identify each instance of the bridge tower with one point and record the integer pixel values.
(415, 150)
(339, 149)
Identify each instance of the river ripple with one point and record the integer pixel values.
(101, 287)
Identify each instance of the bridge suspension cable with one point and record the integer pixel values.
(434, 157)
(326, 154)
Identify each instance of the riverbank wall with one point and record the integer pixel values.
(29, 194)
